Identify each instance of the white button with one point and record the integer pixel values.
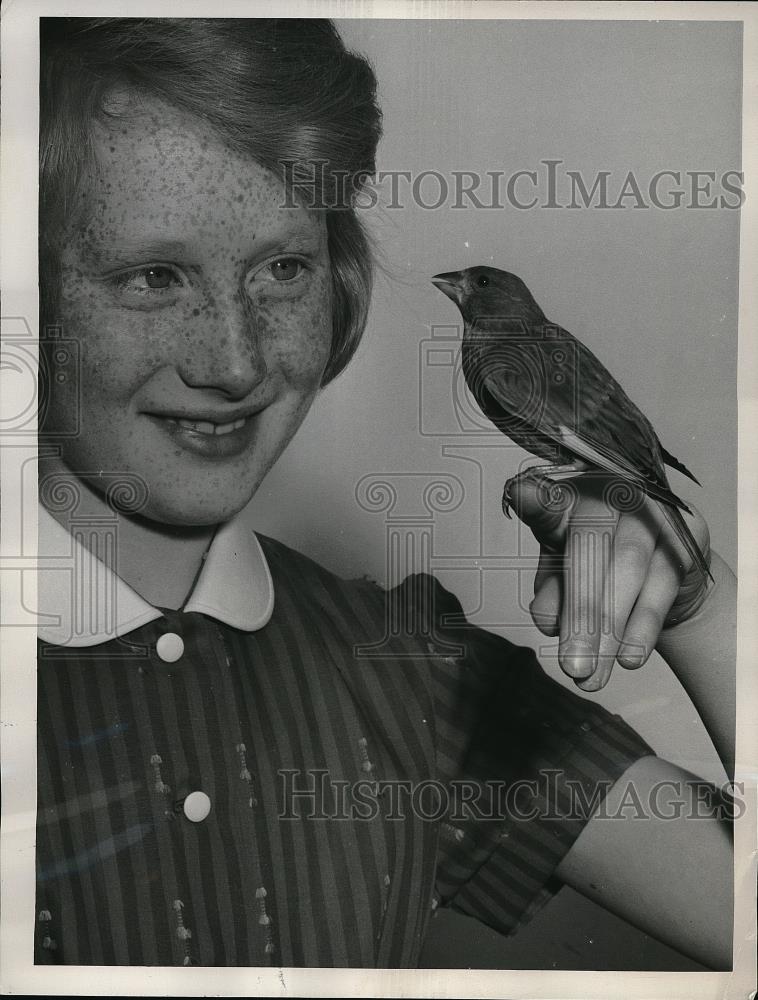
(197, 805)
(170, 647)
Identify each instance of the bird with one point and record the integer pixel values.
(551, 395)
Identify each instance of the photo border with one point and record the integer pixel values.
(18, 257)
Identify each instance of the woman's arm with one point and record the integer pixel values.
(657, 851)
(614, 586)
(667, 868)
(657, 854)
(702, 652)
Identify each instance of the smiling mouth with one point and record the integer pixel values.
(210, 428)
(215, 440)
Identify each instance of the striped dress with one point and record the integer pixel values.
(365, 756)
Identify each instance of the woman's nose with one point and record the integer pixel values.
(224, 347)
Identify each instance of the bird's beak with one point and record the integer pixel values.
(449, 284)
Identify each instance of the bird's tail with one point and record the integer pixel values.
(674, 517)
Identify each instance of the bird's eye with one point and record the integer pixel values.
(482, 281)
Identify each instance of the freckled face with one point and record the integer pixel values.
(203, 315)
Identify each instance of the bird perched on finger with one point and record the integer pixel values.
(546, 391)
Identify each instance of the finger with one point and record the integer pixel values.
(543, 506)
(586, 563)
(634, 544)
(649, 613)
(548, 588)
(550, 564)
(693, 586)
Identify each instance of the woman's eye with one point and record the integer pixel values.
(156, 278)
(285, 269)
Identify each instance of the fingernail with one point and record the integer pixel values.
(543, 620)
(578, 659)
(632, 657)
(594, 683)
(548, 626)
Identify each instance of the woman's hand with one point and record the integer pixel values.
(612, 574)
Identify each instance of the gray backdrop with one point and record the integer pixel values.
(653, 292)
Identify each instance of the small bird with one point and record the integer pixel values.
(549, 393)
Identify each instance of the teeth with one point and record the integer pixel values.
(206, 427)
(201, 426)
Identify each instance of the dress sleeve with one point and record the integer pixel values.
(525, 760)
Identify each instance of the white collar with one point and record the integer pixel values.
(234, 586)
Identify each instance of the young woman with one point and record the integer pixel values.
(226, 776)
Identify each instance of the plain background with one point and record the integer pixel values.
(653, 293)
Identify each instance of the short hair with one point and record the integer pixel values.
(282, 91)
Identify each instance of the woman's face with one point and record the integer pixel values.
(202, 310)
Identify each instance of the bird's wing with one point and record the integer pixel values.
(586, 413)
(669, 459)
(610, 418)
(611, 461)
(604, 415)
(670, 505)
